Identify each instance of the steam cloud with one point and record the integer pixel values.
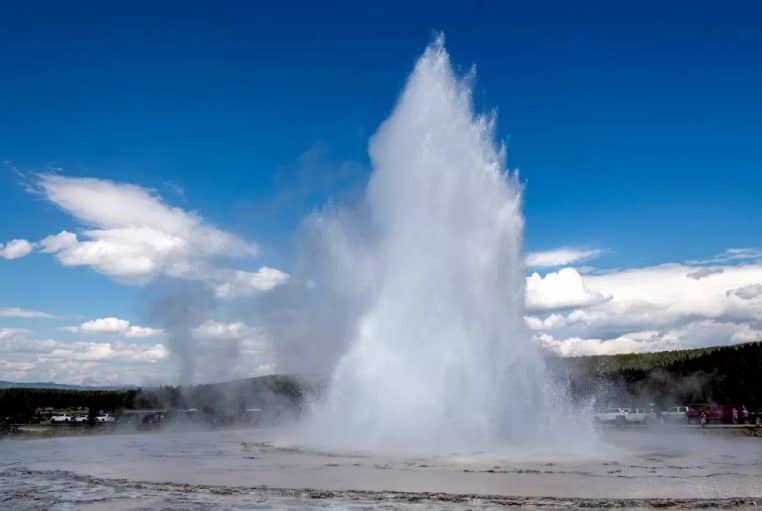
(178, 307)
(416, 298)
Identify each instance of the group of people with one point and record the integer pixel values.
(737, 416)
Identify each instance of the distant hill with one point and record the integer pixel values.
(721, 374)
(59, 386)
(656, 359)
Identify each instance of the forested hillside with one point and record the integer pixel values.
(727, 375)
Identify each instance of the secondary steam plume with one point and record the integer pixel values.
(178, 307)
(439, 356)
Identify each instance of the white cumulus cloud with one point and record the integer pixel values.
(133, 236)
(24, 357)
(114, 326)
(219, 330)
(550, 322)
(634, 342)
(15, 249)
(563, 289)
(647, 309)
(238, 282)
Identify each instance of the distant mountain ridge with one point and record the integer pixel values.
(60, 386)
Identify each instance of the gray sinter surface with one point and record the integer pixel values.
(246, 469)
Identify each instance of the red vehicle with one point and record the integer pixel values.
(714, 413)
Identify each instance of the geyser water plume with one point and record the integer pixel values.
(440, 359)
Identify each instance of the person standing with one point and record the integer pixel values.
(734, 413)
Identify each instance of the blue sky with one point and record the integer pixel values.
(635, 125)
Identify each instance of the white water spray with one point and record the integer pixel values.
(441, 358)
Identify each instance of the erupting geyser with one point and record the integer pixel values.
(440, 359)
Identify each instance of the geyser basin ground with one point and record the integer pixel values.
(240, 469)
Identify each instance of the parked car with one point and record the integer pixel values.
(675, 414)
(105, 419)
(80, 419)
(611, 415)
(639, 415)
(61, 418)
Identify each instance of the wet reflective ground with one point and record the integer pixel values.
(250, 469)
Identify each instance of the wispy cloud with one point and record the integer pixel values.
(731, 256)
(561, 257)
(749, 292)
(16, 312)
(704, 272)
